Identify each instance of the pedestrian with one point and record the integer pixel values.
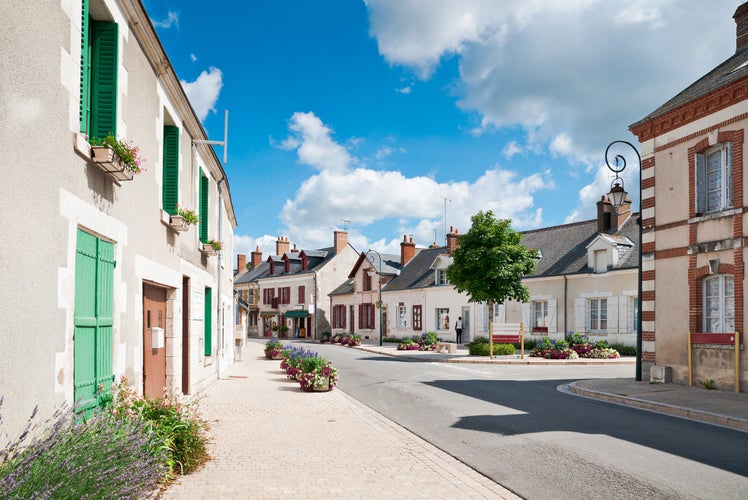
(458, 329)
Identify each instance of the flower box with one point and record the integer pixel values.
(207, 249)
(110, 162)
(178, 223)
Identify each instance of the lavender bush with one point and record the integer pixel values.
(72, 457)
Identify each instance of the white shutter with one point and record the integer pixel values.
(581, 318)
(552, 316)
(612, 315)
(700, 183)
(728, 176)
(624, 314)
(500, 316)
(526, 314)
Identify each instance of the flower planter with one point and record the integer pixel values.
(321, 386)
(108, 161)
(207, 249)
(177, 223)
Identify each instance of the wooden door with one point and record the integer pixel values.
(154, 358)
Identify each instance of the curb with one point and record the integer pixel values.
(706, 417)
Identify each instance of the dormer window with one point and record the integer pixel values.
(441, 277)
(601, 261)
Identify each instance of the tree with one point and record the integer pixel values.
(490, 262)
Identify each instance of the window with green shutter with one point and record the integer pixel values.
(208, 318)
(98, 85)
(93, 319)
(171, 169)
(204, 208)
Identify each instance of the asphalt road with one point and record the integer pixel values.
(511, 423)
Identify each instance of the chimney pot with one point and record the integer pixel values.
(741, 27)
(340, 240)
(256, 257)
(407, 250)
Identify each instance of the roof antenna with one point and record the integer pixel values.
(345, 224)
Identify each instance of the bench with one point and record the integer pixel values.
(507, 333)
(450, 347)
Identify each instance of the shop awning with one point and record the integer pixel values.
(296, 314)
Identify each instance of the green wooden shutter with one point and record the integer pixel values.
(204, 208)
(171, 169)
(103, 79)
(208, 318)
(85, 81)
(93, 319)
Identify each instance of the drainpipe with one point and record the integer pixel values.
(219, 308)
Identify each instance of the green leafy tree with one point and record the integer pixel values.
(491, 261)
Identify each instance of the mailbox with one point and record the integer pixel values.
(157, 337)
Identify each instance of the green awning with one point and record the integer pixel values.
(296, 314)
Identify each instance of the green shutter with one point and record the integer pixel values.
(171, 169)
(84, 109)
(93, 319)
(204, 208)
(208, 318)
(103, 79)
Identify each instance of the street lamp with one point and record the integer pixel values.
(617, 197)
(379, 279)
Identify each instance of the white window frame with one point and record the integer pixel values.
(543, 304)
(724, 315)
(442, 318)
(402, 315)
(599, 323)
(721, 189)
(441, 277)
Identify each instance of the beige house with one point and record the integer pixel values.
(103, 280)
(694, 222)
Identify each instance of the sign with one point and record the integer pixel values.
(198, 305)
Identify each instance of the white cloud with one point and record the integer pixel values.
(590, 194)
(574, 74)
(511, 149)
(364, 196)
(404, 90)
(193, 58)
(172, 19)
(203, 92)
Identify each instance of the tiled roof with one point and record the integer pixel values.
(253, 274)
(344, 289)
(417, 273)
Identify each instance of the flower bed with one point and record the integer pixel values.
(273, 349)
(576, 346)
(313, 372)
(424, 342)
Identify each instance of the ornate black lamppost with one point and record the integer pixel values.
(617, 197)
(379, 279)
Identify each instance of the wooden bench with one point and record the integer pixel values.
(450, 347)
(507, 333)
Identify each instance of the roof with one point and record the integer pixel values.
(417, 273)
(384, 264)
(733, 69)
(253, 274)
(344, 289)
(564, 248)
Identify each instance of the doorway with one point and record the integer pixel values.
(154, 341)
(466, 335)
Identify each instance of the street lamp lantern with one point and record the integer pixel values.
(617, 197)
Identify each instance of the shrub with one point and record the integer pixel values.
(71, 457)
(325, 337)
(624, 350)
(477, 348)
(273, 348)
(173, 428)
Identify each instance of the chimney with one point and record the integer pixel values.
(340, 240)
(281, 245)
(603, 214)
(452, 240)
(294, 249)
(407, 250)
(608, 218)
(256, 258)
(241, 263)
(741, 27)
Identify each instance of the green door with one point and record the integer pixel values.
(93, 319)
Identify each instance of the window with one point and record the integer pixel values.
(714, 179)
(417, 318)
(366, 316)
(598, 314)
(98, 84)
(540, 314)
(302, 294)
(441, 277)
(170, 189)
(204, 209)
(367, 281)
(338, 317)
(208, 320)
(442, 319)
(268, 295)
(402, 315)
(284, 294)
(601, 261)
(719, 304)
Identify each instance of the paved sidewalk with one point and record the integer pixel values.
(270, 440)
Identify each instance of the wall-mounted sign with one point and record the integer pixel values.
(198, 305)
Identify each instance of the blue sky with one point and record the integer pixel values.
(368, 115)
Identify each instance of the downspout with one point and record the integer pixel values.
(566, 309)
(219, 309)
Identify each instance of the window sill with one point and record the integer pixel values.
(715, 215)
(81, 146)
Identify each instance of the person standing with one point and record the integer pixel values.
(458, 329)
